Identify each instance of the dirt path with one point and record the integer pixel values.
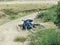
(9, 31)
(28, 2)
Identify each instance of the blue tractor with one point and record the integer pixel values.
(27, 24)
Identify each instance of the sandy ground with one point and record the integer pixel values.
(9, 31)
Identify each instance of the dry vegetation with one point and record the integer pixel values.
(26, 6)
(11, 12)
(20, 39)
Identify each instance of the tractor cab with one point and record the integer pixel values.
(27, 24)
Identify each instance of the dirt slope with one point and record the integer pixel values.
(9, 30)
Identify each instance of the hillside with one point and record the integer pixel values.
(13, 10)
(45, 32)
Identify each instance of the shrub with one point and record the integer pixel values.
(45, 37)
(20, 39)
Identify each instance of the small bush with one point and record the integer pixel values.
(20, 39)
(45, 37)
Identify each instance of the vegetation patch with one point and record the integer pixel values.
(14, 11)
(57, 21)
(45, 37)
(20, 39)
(48, 15)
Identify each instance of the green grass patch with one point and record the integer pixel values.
(45, 37)
(48, 15)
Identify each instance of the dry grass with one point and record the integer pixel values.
(50, 25)
(26, 6)
(16, 8)
(20, 39)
